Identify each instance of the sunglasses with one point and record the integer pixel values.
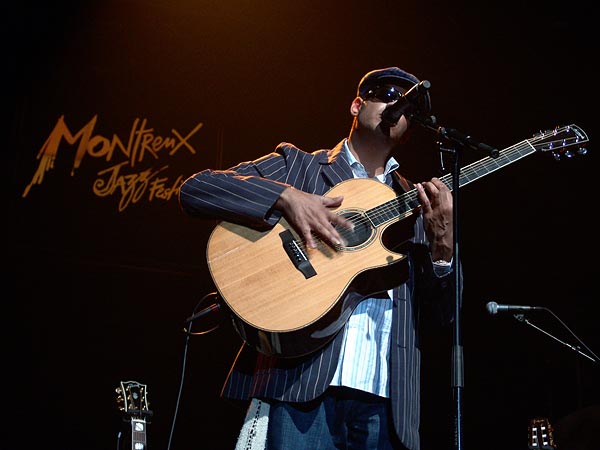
(385, 94)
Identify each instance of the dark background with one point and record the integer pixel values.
(97, 296)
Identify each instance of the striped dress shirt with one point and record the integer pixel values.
(363, 362)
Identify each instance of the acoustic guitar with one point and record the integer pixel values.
(288, 300)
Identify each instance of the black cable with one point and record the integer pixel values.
(594, 356)
(188, 332)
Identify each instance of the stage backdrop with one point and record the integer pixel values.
(111, 105)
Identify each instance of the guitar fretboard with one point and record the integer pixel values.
(554, 140)
(138, 434)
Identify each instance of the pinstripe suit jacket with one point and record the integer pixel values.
(246, 194)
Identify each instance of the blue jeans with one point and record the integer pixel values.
(342, 418)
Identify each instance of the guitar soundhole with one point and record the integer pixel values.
(362, 232)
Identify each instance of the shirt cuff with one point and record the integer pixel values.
(441, 267)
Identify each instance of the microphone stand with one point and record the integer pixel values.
(576, 348)
(463, 140)
(521, 318)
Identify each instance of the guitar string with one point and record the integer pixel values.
(505, 157)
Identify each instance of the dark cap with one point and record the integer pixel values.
(390, 75)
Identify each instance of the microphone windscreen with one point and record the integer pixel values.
(492, 307)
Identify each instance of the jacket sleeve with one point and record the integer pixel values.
(243, 194)
(436, 293)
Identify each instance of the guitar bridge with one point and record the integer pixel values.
(296, 254)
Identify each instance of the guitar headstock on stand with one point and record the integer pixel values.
(541, 435)
(132, 400)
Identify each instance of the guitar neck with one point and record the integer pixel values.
(404, 205)
(138, 434)
(554, 141)
(488, 165)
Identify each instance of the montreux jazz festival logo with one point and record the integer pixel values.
(123, 179)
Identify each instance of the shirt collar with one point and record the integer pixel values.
(390, 165)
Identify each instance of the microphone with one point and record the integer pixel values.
(415, 100)
(495, 308)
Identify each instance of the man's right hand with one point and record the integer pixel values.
(311, 215)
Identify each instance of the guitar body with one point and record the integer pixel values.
(278, 308)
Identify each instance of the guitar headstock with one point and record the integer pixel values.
(562, 142)
(132, 398)
(541, 434)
